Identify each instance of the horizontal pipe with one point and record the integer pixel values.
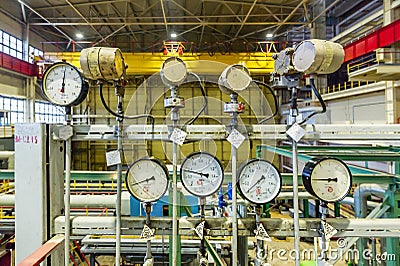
(77, 201)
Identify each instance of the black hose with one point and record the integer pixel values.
(275, 101)
(121, 116)
(321, 101)
(191, 121)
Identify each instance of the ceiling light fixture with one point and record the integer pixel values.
(269, 35)
(173, 35)
(79, 35)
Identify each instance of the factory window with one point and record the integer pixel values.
(11, 110)
(11, 45)
(34, 54)
(48, 113)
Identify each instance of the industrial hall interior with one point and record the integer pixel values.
(207, 132)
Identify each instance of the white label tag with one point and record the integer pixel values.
(235, 138)
(261, 233)
(65, 132)
(329, 230)
(178, 136)
(296, 132)
(200, 230)
(147, 233)
(113, 157)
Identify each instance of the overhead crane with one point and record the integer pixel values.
(258, 63)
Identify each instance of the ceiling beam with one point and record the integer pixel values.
(79, 4)
(249, 4)
(182, 23)
(286, 20)
(245, 19)
(201, 17)
(47, 21)
(87, 22)
(164, 17)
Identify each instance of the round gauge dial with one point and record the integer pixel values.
(63, 85)
(201, 174)
(173, 71)
(259, 181)
(328, 179)
(234, 78)
(282, 62)
(147, 179)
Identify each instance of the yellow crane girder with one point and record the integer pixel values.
(258, 63)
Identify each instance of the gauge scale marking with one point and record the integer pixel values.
(147, 179)
(63, 85)
(329, 179)
(259, 181)
(201, 174)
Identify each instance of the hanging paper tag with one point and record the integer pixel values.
(329, 230)
(178, 136)
(113, 158)
(296, 132)
(235, 138)
(147, 233)
(261, 233)
(65, 132)
(200, 229)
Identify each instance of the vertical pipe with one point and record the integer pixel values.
(67, 190)
(119, 186)
(234, 208)
(234, 196)
(323, 211)
(296, 204)
(174, 199)
(295, 181)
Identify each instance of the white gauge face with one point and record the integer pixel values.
(173, 71)
(63, 84)
(304, 56)
(238, 78)
(329, 179)
(147, 179)
(201, 174)
(259, 181)
(282, 63)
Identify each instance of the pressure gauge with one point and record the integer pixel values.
(63, 85)
(282, 64)
(328, 179)
(234, 79)
(173, 71)
(201, 174)
(259, 181)
(147, 179)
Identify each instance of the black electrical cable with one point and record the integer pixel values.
(275, 101)
(150, 117)
(191, 121)
(321, 101)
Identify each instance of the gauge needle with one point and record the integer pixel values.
(327, 179)
(63, 81)
(145, 180)
(258, 181)
(194, 172)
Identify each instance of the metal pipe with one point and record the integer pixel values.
(294, 113)
(148, 259)
(361, 194)
(174, 201)
(67, 190)
(175, 118)
(234, 245)
(119, 185)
